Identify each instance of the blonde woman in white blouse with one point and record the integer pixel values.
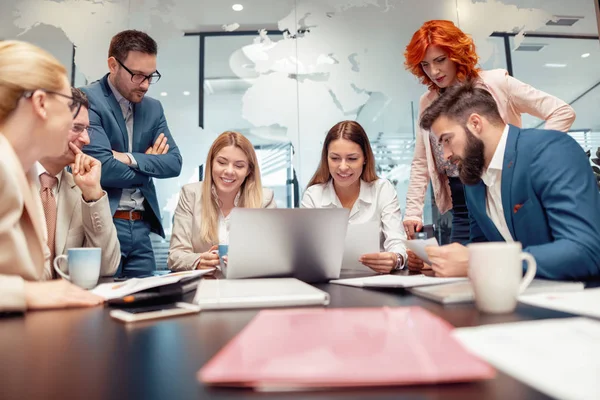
(346, 178)
(201, 223)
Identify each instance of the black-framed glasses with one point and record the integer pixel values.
(74, 105)
(138, 79)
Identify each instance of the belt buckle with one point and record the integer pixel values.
(131, 214)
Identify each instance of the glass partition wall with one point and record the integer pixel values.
(283, 72)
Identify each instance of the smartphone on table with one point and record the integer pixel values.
(136, 314)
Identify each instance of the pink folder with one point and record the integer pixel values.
(320, 348)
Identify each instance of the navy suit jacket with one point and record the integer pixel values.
(551, 203)
(110, 133)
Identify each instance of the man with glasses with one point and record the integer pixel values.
(131, 139)
(76, 208)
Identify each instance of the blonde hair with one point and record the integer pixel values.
(251, 195)
(25, 67)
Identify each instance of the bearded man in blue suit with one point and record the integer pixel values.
(527, 185)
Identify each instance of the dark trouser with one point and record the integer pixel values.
(137, 256)
(460, 215)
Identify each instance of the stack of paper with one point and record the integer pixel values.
(586, 302)
(462, 292)
(559, 357)
(395, 281)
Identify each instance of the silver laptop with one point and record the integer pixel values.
(307, 244)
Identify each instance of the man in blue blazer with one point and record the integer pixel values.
(527, 185)
(130, 136)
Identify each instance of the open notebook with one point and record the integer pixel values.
(114, 290)
(329, 348)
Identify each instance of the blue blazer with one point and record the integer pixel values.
(110, 133)
(551, 204)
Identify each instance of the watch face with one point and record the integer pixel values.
(399, 262)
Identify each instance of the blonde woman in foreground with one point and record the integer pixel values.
(232, 179)
(36, 114)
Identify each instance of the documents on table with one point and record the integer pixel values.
(417, 246)
(462, 292)
(559, 357)
(134, 285)
(360, 239)
(586, 302)
(343, 347)
(395, 281)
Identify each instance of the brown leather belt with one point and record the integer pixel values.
(129, 215)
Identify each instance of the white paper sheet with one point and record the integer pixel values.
(417, 246)
(462, 292)
(360, 239)
(395, 281)
(559, 357)
(586, 302)
(114, 290)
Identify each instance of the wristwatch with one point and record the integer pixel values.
(399, 262)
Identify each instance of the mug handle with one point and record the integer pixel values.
(531, 269)
(57, 269)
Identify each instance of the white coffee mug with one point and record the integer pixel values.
(496, 273)
(83, 266)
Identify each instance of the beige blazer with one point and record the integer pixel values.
(513, 98)
(81, 224)
(24, 254)
(186, 245)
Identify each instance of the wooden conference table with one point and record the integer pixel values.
(84, 354)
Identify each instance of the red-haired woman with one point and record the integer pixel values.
(441, 55)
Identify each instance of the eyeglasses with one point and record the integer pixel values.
(74, 105)
(138, 79)
(79, 128)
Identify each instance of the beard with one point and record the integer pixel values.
(471, 165)
(130, 94)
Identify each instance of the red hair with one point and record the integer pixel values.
(458, 45)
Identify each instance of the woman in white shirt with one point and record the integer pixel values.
(346, 178)
(232, 179)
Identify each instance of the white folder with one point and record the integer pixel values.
(221, 294)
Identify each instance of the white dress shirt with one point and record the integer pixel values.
(39, 170)
(492, 178)
(131, 199)
(377, 201)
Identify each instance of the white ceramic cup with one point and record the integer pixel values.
(496, 273)
(83, 266)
